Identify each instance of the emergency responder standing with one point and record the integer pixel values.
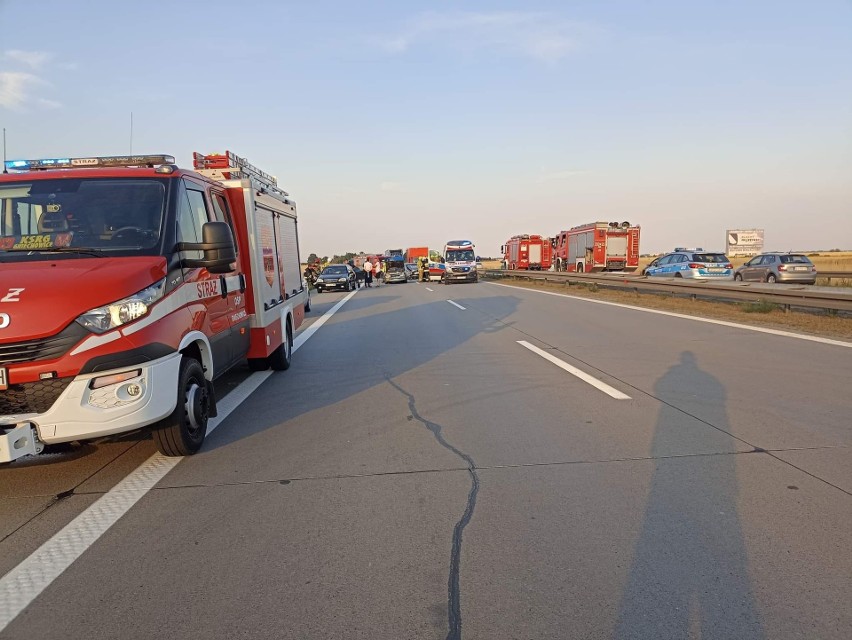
(423, 269)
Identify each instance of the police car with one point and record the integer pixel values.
(691, 263)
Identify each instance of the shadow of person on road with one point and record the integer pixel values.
(689, 577)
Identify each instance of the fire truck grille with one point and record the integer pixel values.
(43, 348)
(32, 397)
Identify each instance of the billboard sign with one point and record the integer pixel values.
(744, 242)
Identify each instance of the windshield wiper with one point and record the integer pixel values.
(81, 250)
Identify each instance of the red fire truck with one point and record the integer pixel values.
(527, 252)
(128, 285)
(598, 246)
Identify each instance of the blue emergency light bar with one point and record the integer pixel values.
(43, 164)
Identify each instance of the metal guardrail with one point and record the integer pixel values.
(786, 295)
(845, 275)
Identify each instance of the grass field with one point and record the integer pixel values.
(824, 261)
(757, 314)
(750, 313)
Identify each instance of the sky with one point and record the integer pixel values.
(402, 123)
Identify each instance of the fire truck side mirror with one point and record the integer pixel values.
(217, 243)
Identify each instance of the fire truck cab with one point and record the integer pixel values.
(129, 285)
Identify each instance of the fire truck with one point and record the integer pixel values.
(129, 285)
(527, 252)
(597, 246)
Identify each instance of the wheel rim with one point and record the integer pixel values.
(770, 278)
(196, 408)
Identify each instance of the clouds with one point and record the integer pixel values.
(22, 89)
(32, 59)
(540, 36)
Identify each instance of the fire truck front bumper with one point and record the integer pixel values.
(95, 405)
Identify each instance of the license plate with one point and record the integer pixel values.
(716, 269)
(4, 379)
(802, 268)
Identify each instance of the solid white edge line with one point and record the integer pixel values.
(25, 582)
(724, 323)
(574, 371)
(456, 304)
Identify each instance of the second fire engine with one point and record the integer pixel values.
(597, 246)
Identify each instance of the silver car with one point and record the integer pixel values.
(778, 267)
(691, 263)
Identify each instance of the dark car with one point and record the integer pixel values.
(778, 267)
(411, 270)
(337, 276)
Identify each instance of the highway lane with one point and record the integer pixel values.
(419, 473)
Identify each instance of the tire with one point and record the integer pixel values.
(182, 433)
(678, 275)
(771, 279)
(738, 277)
(282, 357)
(348, 287)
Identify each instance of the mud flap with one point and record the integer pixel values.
(212, 395)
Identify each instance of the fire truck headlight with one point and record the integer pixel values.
(120, 312)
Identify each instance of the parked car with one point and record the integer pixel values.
(337, 276)
(691, 263)
(778, 267)
(411, 270)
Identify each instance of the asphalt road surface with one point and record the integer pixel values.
(468, 461)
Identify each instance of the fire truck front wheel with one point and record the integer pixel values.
(182, 433)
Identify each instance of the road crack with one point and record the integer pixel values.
(454, 617)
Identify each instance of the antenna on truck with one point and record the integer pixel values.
(5, 168)
(230, 166)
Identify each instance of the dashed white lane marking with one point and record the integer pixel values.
(428, 289)
(24, 583)
(456, 304)
(724, 323)
(585, 377)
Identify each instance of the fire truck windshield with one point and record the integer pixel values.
(460, 255)
(88, 216)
